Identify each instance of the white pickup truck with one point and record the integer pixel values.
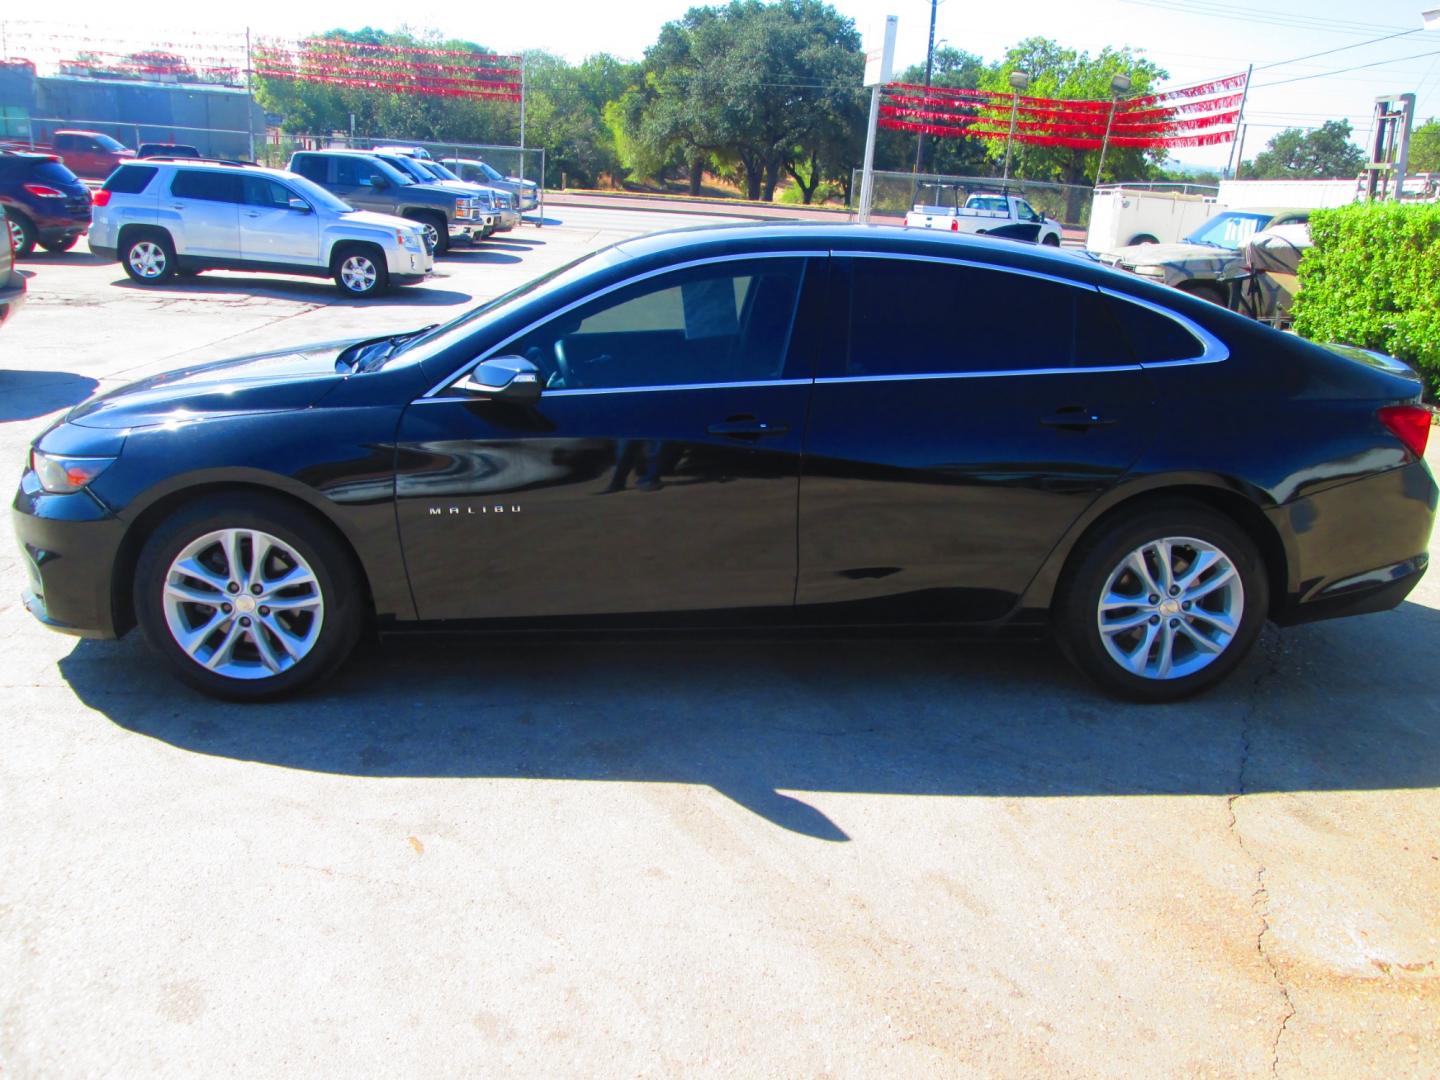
(990, 213)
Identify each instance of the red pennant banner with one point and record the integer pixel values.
(391, 68)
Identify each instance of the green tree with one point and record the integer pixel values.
(1425, 147)
(1058, 72)
(1327, 153)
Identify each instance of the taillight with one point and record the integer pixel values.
(1408, 423)
(102, 197)
(43, 192)
(955, 225)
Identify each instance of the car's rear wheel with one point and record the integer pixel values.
(247, 597)
(22, 234)
(1142, 240)
(1164, 603)
(1051, 240)
(65, 243)
(360, 271)
(148, 258)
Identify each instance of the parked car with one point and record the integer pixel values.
(174, 150)
(984, 213)
(12, 282)
(91, 154)
(477, 171)
(502, 202)
(422, 172)
(163, 217)
(1208, 257)
(45, 203)
(363, 180)
(761, 425)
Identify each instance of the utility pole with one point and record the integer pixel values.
(1233, 165)
(249, 96)
(929, 75)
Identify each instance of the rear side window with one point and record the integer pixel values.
(310, 167)
(911, 317)
(130, 179)
(206, 186)
(1154, 338)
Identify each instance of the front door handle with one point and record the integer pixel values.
(252, 213)
(747, 427)
(1075, 418)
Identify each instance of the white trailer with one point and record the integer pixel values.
(1122, 215)
(1300, 194)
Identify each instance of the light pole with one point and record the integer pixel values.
(1020, 80)
(1119, 84)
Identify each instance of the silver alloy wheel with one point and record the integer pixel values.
(147, 259)
(1171, 608)
(358, 273)
(432, 236)
(17, 234)
(243, 604)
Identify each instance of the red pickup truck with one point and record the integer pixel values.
(90, 154)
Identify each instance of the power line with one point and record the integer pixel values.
(1342, 48)
(1341, 71)
(1245, 14)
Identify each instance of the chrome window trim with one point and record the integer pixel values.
(587, 391)
(1214, 351)
(997, 374)
(558, 312)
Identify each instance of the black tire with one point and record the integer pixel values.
(151, 247)
(1088, 573)
(1051, 240)
(1142, 239)
(1204, 290)
(359, 270)
(337, 580)
(22, 234)
(63, 244)
(437, 230)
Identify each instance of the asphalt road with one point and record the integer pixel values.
(747, 858)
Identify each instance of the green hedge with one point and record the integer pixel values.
(1373, 280)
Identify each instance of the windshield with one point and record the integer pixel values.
(1228, 230)
(409, 167)
(398, 177)
(440, 171)
(316, 195)
(442, 337)
(489, 172)
(107, 143)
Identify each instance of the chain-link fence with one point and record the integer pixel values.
(211, 142)
(897, 193)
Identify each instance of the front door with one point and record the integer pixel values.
(658, 472)
(355, 183)
(274, 231)
(964, 416)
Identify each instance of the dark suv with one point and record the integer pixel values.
(44, 202)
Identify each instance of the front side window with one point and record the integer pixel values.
(1027, 212)
(261, 191)
(720, 323)
(914, 317)
(354, 171)
(206, 186)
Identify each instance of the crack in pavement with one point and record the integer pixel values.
(1260, 898)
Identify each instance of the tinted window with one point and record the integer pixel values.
(711, 324)
(355, 171)
(105, 142)
(261, 191)
(310, 167)
(52, 172)
(1153, 337)
(921, 318)
(131, 179)
(208, 186)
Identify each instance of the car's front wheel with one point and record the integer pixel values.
(247, 597)
(1164, 603)
(360, 271)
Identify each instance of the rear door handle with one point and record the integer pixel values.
(1076, 418)
(747, 427)
(252, 213)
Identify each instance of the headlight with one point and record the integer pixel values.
(66, 475)
(407, 239)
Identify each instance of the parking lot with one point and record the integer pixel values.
(739, 857)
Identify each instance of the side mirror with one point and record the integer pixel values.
(511, 379)
(378, 182)
(299, 204)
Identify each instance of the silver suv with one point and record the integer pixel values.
(162, 217)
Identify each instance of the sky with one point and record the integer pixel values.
(1192, 39)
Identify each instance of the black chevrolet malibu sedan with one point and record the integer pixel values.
(777, 425)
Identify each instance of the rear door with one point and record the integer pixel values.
(657, 473)
(964, 416)
(271, 230)
(208, 207)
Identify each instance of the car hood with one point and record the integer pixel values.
(268, 382)
(384, 221)
(1151, 254)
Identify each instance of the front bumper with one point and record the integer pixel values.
(405, 263)
(1356, 548)
(69, 544)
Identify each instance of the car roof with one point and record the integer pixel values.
(207, 165)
